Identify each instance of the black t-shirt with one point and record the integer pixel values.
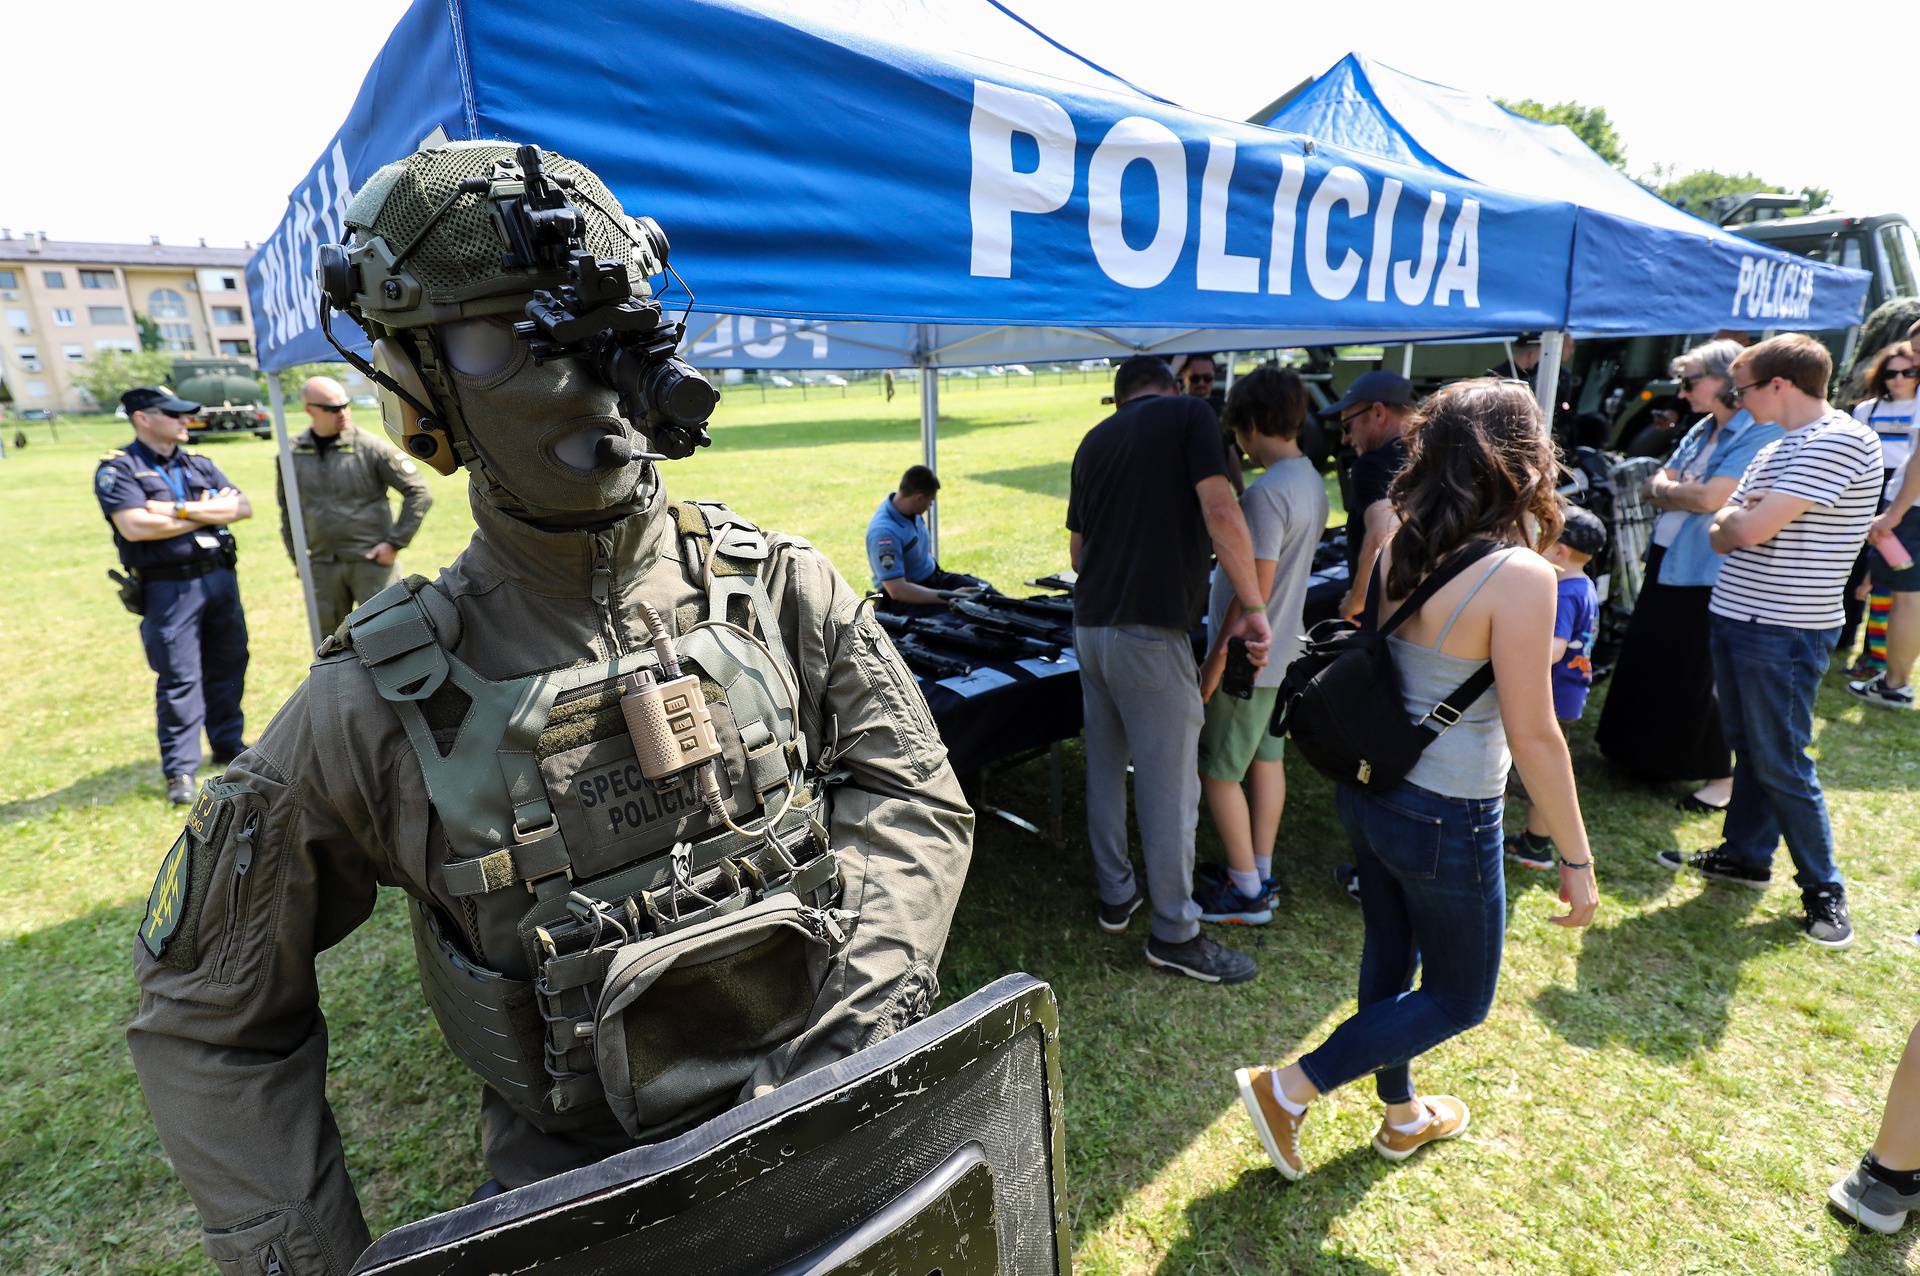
(1146, 549)
(1368, 480)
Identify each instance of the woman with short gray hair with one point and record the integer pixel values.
(1661, 721)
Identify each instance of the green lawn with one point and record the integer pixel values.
(1671, 1091)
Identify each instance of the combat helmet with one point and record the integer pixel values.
(467, 230)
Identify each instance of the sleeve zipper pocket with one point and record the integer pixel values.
(236, 892)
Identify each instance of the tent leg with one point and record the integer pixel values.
(1406, 361)
(929, 429)
(278, 400)
(1546, 377)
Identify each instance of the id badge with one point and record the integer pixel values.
(206, 540)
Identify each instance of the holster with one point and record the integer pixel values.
(133, 594)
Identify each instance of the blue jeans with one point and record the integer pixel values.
(195, 635)
(1433, 894)
(1766, 677)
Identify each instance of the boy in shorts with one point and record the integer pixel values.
(1574, 619)
(1286, 510)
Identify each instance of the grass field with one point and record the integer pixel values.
(1671, 1091)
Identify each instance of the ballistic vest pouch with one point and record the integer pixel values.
(685, 1017)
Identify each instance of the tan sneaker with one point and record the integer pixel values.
(1448, 1119)
(1279, 1129)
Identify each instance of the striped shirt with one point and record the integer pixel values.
(1797, 578)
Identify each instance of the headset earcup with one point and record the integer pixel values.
(425, 444)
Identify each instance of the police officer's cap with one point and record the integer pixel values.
(155, 398)
(1380, 386)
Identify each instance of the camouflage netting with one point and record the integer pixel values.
(1883, 327)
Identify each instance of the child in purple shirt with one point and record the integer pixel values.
(1575, 617)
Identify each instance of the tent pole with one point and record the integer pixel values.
(1406, 360)
(276, 397)
(1546, 377)
(929, 428)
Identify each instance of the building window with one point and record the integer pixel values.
(230, 282)
(62, 317)
(8, 279)
(36, 389)
(29, 357)
(74, 354)
(165, 303)
(107, 316)
(236, 347)
(98, 279)
(177, 336)
(116, 343)
(230, 315)
(54, 278)
(18, 321)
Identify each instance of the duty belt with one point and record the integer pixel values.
(184, 571)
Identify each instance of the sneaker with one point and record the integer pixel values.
(1719, 865)
(1349, 879)
(180, 790)
(1522, 849)
(1210, 871)
(1875, 690)
(1279, 1129)
(1447, 1118)
(1827, 923)
(1222, 902)
(1200, 958)
(1871, 1203)
(1114, 917)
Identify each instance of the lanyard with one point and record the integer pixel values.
(174, 474)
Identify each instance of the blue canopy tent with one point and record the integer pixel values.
(930, 182)
(1639, 266)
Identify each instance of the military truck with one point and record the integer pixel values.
(1622, 379)
(232, 395)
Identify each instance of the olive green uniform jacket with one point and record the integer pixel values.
(343, 496)
(229, 1040)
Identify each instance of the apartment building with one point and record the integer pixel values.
(62, 301)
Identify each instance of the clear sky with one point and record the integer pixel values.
(189, 120)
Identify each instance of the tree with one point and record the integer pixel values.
(1697, 190)
(150, 338)
(111, 373)
(291, 379)
(1589, 123)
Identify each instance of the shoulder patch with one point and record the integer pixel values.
(408, 467)
(167, 901)
(104, 478)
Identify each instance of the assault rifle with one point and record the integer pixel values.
(1021, 617)
(972, 640)
(927, 662)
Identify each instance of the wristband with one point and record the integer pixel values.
(1567, 863)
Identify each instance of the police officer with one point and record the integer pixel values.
(344, 476)
(169, 509)
(900, 550)
(673, 819)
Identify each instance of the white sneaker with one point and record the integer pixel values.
(1875, 690)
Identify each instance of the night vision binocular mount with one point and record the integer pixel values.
(590, 312)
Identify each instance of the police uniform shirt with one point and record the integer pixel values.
(897, 546)
(129, 478)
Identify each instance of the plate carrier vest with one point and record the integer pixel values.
(567, 974)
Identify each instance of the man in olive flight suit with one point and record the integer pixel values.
(382, 769)
(353, 539)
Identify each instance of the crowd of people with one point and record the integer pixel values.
(1776, 511)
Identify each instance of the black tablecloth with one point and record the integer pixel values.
(1029, 711)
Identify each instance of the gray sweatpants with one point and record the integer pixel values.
(1141, 694)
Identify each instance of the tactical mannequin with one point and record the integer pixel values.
(673, 817)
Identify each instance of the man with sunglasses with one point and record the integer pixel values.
(169, 509)
(344, 474)
(1372, 417)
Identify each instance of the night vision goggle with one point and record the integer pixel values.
(588, 311)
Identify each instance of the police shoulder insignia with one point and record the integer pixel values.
(104, 478)
(408, 467)
(888, 562)
(167, 901)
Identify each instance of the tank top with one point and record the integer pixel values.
(1470, 758)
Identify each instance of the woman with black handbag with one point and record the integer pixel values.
(1475, 501)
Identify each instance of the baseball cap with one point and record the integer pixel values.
(1584, 533)
(155, 398)
(1379, 386)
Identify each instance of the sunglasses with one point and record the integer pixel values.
(1911, 374)
(330, 407)
(1351, 417)
(178, 416)
(1740, 391)
(1687, 383)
